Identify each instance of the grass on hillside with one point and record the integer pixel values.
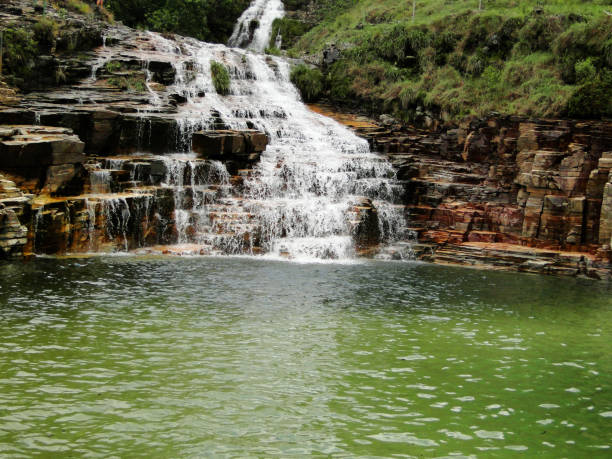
(516, 57)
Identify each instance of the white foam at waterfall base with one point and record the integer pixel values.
(262, 11)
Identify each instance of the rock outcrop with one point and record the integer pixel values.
(237, 149)
(42, 159)
(14, 206)
(505, 193)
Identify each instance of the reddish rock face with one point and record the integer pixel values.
(507, 183)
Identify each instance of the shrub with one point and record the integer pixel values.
(492, 76)
(476, 64)
(289, 29)
(273, 51)
(19, 52)
(308, 81)
(112, 66)
(593, 99)
(132, 83)
(581, 41)
(400, 44)
(79, 7)
(45, 33)
(339, 81)
(220, 77)
(585, 71)
(538, 33)
(607, 52)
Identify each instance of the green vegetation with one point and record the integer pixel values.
(20, 49)
(45, 33)
(113, 66)
(78, 6)
(132, 83)
(309, 81)
(290, 30)
(220, 77)
(273, 51)
(525, 57)
(209, 20)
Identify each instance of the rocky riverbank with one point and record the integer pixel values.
(117, 158)
(505, 192)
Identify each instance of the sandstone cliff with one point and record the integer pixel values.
(505, 192)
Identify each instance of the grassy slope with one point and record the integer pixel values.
(455, 60)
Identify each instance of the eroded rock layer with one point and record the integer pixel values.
(504, 192)
(90, 164)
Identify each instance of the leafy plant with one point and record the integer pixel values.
(45, 32)
(133, 84)
(220, 77)
(273, 51)
(79, 7)
(585, 71)
(308, 81)
(113, 66)
(20, 49)
(593, 99)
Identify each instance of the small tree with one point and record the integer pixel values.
(413, 9)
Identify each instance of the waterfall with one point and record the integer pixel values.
(254, 26)
(317, 192)
(100, 181)
(300, 201)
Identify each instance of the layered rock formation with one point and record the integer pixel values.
(237, 149)
(92, 166)
(13, 210)
(505, 192)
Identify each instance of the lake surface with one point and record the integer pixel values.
(225, 357)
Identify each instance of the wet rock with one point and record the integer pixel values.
(256, 141)
(162, 72)
(237, 149)
(486, 191)
(605, 225)
(153, 134)
(40, 146)
(366, 231)
(13, 206)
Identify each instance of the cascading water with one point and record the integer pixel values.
(316, 193)
(313, 174)
(255, 25)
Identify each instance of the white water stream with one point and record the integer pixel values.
(306, 196)
(314, 170)
(254, 26)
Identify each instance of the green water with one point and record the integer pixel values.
(129, 357)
